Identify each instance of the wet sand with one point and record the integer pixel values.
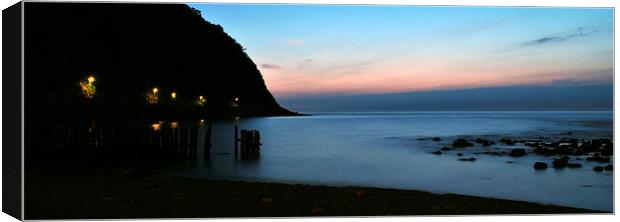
(121, 192)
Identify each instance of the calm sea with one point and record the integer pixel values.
(393, 150)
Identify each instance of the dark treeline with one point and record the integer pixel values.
(130, 49)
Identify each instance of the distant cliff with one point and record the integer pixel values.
(131, 49)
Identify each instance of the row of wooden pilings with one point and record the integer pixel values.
(249, 141)
(181, 141)
(136, 141)
(122, 141)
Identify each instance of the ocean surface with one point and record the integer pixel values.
(394, 150)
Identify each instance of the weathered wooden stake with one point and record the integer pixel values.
(183, 141)
(207, 145)
(193, 141)
(236, 138)
(175, 140)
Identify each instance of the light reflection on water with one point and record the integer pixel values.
(382, 150)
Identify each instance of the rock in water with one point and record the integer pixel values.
(540, 165)
(560, 163)
(484, 142)
(437, 152)
(598, 168)
(507, 141)
(598, 158)
(609, 167)
(517, 152)
(461, 143)
(436, 139)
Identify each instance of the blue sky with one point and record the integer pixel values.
(318, 50)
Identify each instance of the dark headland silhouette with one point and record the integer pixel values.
(130, 49)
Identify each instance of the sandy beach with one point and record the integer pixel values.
(134, 193)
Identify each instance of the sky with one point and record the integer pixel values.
(325, 50)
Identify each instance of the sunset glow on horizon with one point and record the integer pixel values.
(305, 50)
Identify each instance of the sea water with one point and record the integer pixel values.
(394, 150)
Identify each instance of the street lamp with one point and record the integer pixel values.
(153, 98)
(88, 87)
(201, 100)
(235, 103)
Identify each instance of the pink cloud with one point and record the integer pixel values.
(269, 66)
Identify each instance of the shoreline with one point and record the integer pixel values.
(81, 193)
(345, 186)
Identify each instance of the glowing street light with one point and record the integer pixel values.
(88, 87)
(173, 95)
(153, 98)
(201, 100)
(156, 126)
(235, 103)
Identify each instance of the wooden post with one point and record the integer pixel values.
(244, 137)
(258, 140)
(207, 145)
(193, 140)
(163, 137)
(236, 138)
(150, 136)
(190, 133)
(170, 140)
(183, 141)
(252, 140)
(171, 144)
(255, 141)
(175, 140)
(156, 141)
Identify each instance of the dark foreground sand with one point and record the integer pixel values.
(116, 192)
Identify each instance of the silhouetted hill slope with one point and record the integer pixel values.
(131, 48)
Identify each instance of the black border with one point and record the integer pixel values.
(12, 111)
